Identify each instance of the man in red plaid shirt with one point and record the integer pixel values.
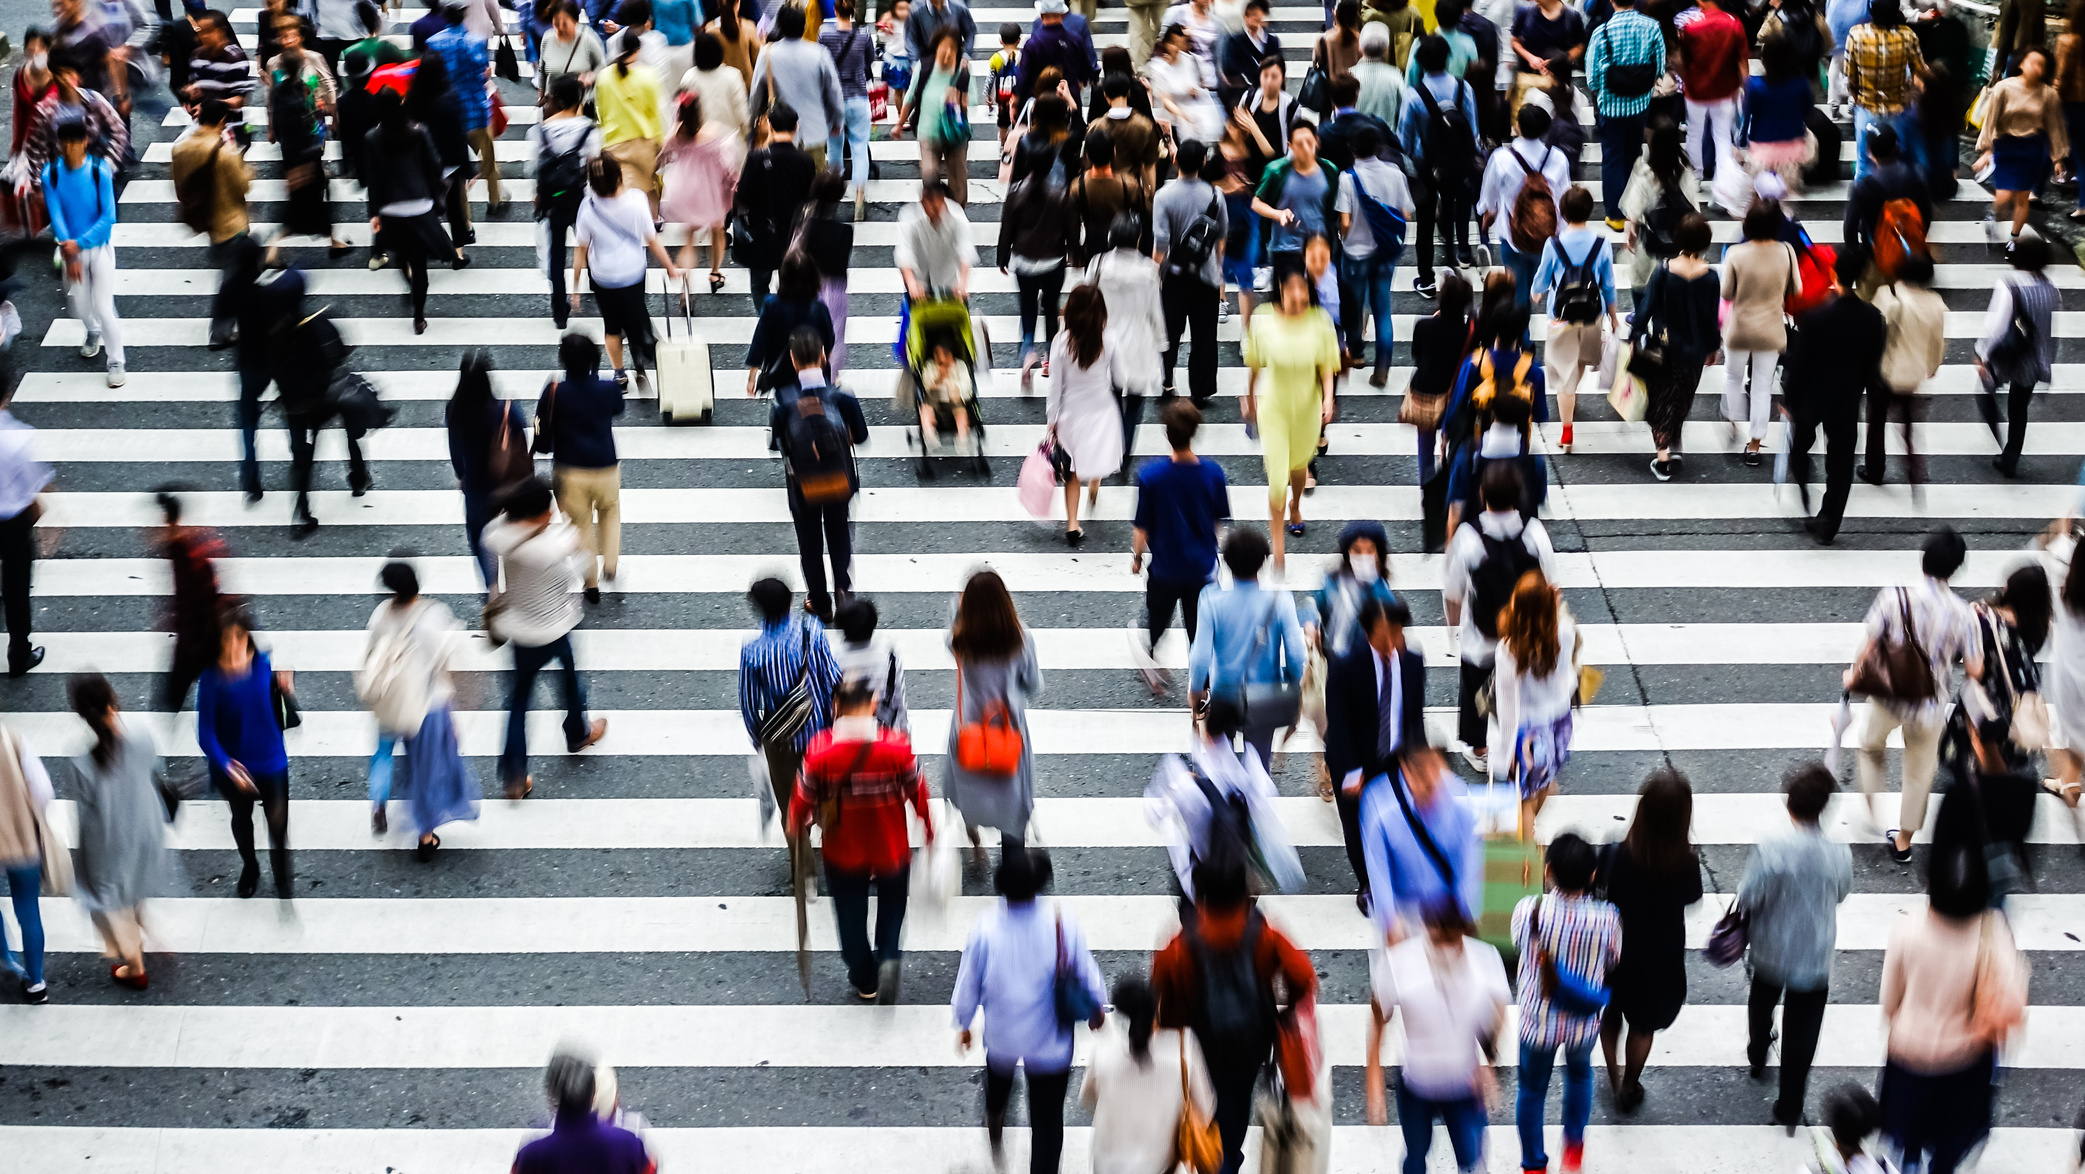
(856, 781)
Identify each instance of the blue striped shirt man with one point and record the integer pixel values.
(768, 667)
(1628, 38)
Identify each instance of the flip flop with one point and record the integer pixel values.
(2067, 792)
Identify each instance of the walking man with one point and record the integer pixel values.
(1834, 355)
(1182, 505)
(1375, 704)
(1190, 220)
(23, 479)
(1625, 59)
(816, 432)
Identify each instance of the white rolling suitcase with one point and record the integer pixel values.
(687, 390)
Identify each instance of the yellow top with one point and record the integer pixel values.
(628, 103)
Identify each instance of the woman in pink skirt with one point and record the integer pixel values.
(701, 179)
(1779, 101)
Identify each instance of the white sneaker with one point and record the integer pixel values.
(115, 374)
(91, 347)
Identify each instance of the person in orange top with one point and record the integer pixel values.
(1207, 958)
(856, 781)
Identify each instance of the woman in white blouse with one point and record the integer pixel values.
(1533, 686)
(1137, 1082)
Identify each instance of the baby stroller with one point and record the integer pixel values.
(929, 324)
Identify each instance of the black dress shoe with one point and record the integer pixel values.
(1874, 479)
(359, 482)
(592, 594)
(419, 325)
(2005, 466)
(22, 670)
(304, 527)
(250, 881)
(1816, 531)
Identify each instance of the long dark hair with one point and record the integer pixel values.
(2026, 593)
(986, 626)
(393, 120)
(430, 84)
(471, 405)
(1139, 1009)
(631, 44)
(1664, 156)
(2074, 586)
(1658, 839)
(1085, 320)
(92, 697)
(727, 14)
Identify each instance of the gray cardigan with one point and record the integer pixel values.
(997, 801)
(806, 82)
(122, 857)
(1791, 892)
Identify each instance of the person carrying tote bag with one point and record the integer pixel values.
(997, 673)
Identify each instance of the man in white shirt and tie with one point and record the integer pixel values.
(1375, 702)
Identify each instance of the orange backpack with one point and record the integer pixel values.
(1900, 234)
(991, 745)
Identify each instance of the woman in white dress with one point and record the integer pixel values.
(2063, 684)
(1136, 331)
(1085, 422)
(1180, 83)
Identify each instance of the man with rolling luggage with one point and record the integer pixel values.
(816, 432)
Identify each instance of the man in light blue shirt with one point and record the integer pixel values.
(1245, 636)
(1409, 872)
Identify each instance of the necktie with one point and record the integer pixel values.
(1386, 709)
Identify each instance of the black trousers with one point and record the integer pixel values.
(1451, 212)
(1040, 294)
(2016, 401)
(1045, 1111)
(413, 242)
(17, 559)
(304, 444)
(1469, 724)
(1190, 307)
(1233, 1109)
(459, 205)
(1882, 405)
(1840, 436)
(1802, 1018)
(1350, 830)
(560, 225)
(1940, 1117)
(1161, 596)
(819, 527)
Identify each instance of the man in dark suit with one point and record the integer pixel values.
(1375, 702)
(772, 188)
(1834, 354)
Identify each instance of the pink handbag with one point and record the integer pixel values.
(1038, 484)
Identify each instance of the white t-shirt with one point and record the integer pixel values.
(615, 233)
(1381, 182)
(1445, 1012)
(1466, 551)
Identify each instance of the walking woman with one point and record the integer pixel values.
(2024, 138)
(997, 675)
(1292, 355)
(1037, 232)
(1653, 875)
(1758, 276)
(575, 424)
(699, 166)
(26, 843)
(740, 42)
(405, 181)
(300, 100)
(488, 449)
(1662, 189)
(122, 827)
(1049, 146)
(569, 50)
(1085, 424)
(722, 92)
(615, 230)
(1677, 324)
(2017, 345)
(428, 101)
(1332, 622)
(21, 210)
(1944, 975)
(2070, 88)
(1013, 965)
(827, 234)
(1138, 1083)
(627, 96)
(1440, 343)
(2063, 686)
(940, 92)
(1185, 104)
(795, 303)
(1534, 683)
(405, 682)
(238, 722)
(1778, 103)
(1128, 282)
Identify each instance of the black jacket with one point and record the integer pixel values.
(308, 350)
(394, 177)
(1892, 181)
(1834, 355)
(772, 190)
(1353, 712)
(1336, 140)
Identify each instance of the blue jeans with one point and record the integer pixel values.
(856, 133)
(1865, 120)
(2074, 121)
(1465, 1119)
(528, 661)
(478, 511)
(25, 884)
(1522, 267)
(380, 768)
(1369, 278)
(1428, 441)
(1535, 1066)
(1621, 141)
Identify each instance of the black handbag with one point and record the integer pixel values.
(504, 63)
(1648, 359)
(287, 716)
(355, 398)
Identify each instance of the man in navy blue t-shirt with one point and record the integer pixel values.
(1182, 503)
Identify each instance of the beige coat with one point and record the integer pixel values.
(1917, 323)
(1757, 277)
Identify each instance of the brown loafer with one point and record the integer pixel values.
(594, 733)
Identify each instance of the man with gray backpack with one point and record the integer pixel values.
(1189, 224)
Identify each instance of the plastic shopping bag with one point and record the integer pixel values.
(543, 246)
(1038, 484)
(763, 791)
(1841, 718)
(1628, 396)
(937, 869)
(1610, 361)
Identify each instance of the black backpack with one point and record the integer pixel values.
(1235, 1021)
(1492, 580)
(1451, 142)
(1663, 222)
(1196, 243)
(1578, 298)
(1230, 824)
(818, 450)
(561, 179)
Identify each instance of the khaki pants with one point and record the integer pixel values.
(1523, 85)
(1143, 31)
(583, 494)
(639, 159)
(122, 934)
(1921, 756)
(1572, 348)
(949, 162)
(817, 153)
(1086, 8)
(488, 165)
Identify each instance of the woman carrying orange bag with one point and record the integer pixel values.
(991, 762)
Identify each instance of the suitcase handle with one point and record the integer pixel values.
(666, 309)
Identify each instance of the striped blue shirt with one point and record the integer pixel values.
(768, 666)
(1629, 38)
(1584, 936)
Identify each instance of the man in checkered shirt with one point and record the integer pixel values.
(1620, 53)
(1882, 67)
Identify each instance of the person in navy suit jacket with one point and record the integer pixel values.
(1360, 744)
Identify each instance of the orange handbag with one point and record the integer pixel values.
(991, 745)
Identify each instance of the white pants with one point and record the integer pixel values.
(93, 298)
(1713, 122)
(1734, 410)
(1835, 81)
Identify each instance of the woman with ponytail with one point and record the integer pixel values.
(626, 94)
(1136, 1079)
(700, 166)
(1085, 424)
(1535, 684)
(122, 835)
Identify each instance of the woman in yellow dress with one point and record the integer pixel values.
(1292, 357)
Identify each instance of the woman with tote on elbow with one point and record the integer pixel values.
(997, 675)
(1084, 421)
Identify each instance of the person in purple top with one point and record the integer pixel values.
(1054, 43)
(580, 1142)
(241, 738)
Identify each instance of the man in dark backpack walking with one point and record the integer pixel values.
(1485, 559)
(1624, 60)
(1217, 978)
(817, 432)
(1189, 223)
(1521, 184)
(1438, 129)
(565, 142)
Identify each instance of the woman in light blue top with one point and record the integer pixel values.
(80, 195)
(1009, 972)
(1246, 636)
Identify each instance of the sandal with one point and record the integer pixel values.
(136, 982)
(2068, 792)
(716, 283)
(427, 848)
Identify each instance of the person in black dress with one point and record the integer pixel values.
(1679, 319)
(1651, 877)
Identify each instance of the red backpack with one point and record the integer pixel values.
(1900, 234)
(1813, 266)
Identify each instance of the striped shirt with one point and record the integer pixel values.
(768, 666)
(1879, 67)
(223, 73)
(1629, 38)
(1942, 624)
(1582, 935)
